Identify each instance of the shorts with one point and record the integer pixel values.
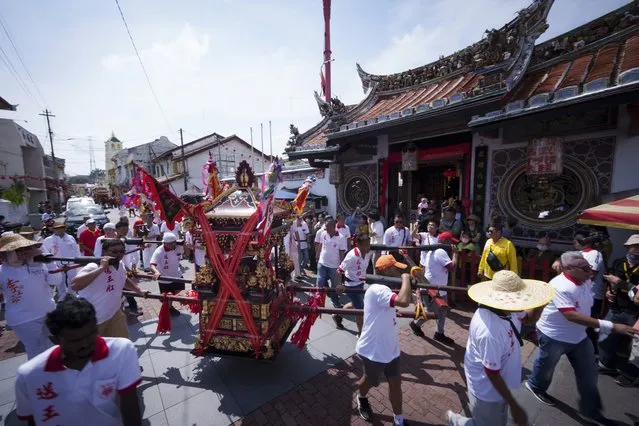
(174, 288)
(357, 299)
(116, 326)
(373, 369)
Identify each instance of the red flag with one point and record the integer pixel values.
(323, 83)
(168, 203)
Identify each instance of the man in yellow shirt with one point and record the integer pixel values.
(503, 249)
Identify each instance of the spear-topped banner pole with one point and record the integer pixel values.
(252, 152)
(327, 49)
(270, 139)
(262, 139)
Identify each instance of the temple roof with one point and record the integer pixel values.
(493, 64)
(578, 67)
(505, 64)
(4, 105)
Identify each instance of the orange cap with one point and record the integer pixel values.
(387, 261)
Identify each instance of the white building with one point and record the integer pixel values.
(228, 152)
(122, 162)
(21, 154)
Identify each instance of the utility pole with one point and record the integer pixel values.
(183, 160)
(48, 114)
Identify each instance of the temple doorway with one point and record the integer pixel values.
(437, 182)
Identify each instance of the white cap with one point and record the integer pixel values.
(169, 237)
(109, 226)
(90, 221)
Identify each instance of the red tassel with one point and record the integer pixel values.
(301, 336)
(164, 319)
(193, 306)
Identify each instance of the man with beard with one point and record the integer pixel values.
(102, 285)
(84, 378)
(25, 288)
(166, 261)
(61, 244)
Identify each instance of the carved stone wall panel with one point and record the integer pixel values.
(590, 160)
(360, 188)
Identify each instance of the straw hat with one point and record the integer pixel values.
(27, 230)
(13, 242)
(59, 223)
(508, 292)
(473, 217)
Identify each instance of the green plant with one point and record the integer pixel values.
(15, 193)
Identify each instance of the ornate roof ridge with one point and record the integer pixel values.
(618, 37)
(503, 45)
(602, 30)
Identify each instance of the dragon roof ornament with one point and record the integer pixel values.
(510, 48)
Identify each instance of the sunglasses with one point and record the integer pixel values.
(581, 268)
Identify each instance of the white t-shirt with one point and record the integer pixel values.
(104, 292)
(426, 240)
(97, 250)
(177, 227)
(377, 232)
(81, 228)
(331, 247)
(64, 246)
(167, 262)
(596, 261)
(300, 234)
(379, 340)
(395, 237)
(199, 249)
(354, 267)
(492, 347)
(344, 231)
(568, 297)
(133, 258)
(46, 390)
(26, 291)
(435, 267)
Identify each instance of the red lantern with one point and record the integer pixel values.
(449, 174)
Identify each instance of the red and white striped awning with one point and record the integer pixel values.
(616, 214)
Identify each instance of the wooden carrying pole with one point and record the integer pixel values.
(290, 308)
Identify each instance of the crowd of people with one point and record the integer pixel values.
(584, 312)
(587, 312)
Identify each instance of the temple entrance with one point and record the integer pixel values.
(435, 182)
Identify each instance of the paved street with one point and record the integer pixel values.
(315, 385)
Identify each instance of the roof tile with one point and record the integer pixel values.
(604, 63)
(630, 58)
(554, 77)
(577, 72)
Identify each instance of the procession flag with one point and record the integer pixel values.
(169, 205)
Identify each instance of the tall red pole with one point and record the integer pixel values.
(327, 49)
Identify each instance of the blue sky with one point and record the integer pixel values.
(224, 65)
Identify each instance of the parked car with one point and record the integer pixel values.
(75, 216)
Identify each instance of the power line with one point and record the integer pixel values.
(5, 28)
(137, 53)
(7, 62)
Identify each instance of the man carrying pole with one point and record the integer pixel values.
(378, 345)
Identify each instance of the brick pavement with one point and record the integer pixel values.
(433, 382)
